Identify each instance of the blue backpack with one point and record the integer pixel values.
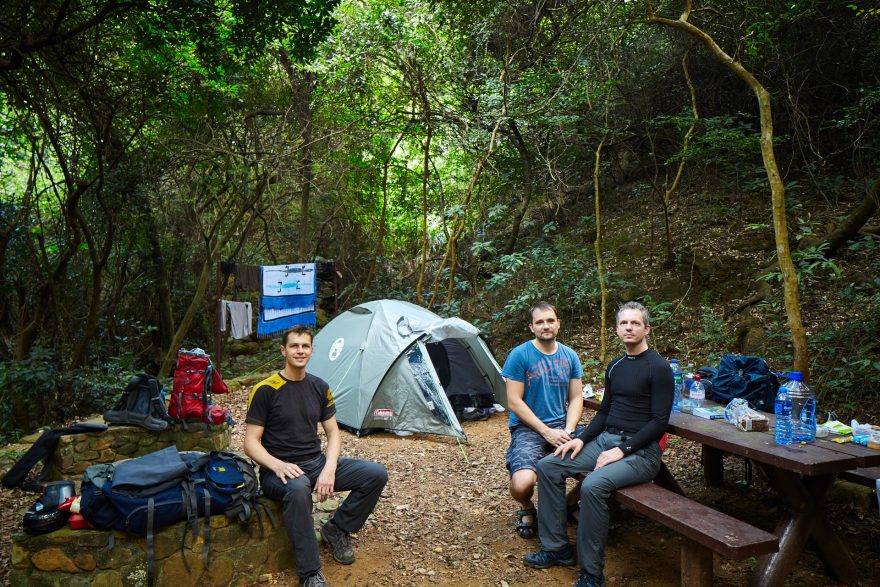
(747, 377)
(167, 486)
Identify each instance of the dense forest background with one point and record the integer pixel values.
(719, 161)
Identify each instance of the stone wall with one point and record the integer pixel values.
(238, 554)
(75, 452)
(82, 558)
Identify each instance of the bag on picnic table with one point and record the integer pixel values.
(195, 380)
(747, 377)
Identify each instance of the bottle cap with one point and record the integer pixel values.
(795, 376)
(697, 377)
(673, 361)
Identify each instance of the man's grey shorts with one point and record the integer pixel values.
(527, 447)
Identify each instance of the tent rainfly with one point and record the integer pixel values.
(395, 366)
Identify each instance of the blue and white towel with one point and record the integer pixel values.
(288, 295)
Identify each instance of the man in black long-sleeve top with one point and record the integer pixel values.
(620, 447)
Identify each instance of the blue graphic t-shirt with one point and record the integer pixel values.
(545, 378)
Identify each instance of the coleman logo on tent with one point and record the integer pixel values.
(336, 348)
(381, 414)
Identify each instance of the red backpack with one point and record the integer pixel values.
(195, 379)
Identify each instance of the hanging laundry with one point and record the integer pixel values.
(247, 277)
(288, 295)
(241, 319)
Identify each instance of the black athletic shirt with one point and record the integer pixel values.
(289, 412)
(638, 399)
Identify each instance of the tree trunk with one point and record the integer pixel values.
(600, 269)
(377, 250)
(851, 226)
(528, 188)
(777, 189)
(180, 334)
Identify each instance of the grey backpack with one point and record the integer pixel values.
(142, 404)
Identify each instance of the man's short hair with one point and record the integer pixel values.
(542, 305)
(646, 315)
(297, 330)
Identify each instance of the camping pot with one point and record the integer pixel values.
(56, 492)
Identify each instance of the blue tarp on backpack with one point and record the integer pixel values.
(747, 377)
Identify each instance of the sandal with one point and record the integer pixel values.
(526, 523)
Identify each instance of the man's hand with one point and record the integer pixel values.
(574, 445)
(286, 471)
(556, 437)
(324, 487)
(608, 457)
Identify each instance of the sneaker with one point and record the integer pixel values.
(564, 557)
(339, 542)
(585, 579)
(316, 580)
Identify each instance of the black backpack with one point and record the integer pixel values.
(142, 404)
(747, 377)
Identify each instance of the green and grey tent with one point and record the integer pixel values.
(395, 366)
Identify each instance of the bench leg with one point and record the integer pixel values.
(696, 565)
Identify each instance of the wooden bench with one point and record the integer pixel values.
(866, 476)
(704, 529)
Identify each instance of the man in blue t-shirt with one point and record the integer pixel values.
(544, 387)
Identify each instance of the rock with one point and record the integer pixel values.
(53, 559)
(85, 561)
(174, 571)
(107, 579)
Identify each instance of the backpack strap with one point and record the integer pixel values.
(150, 515)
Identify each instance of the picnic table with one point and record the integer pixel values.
(800, 474)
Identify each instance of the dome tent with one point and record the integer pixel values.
(387, 361)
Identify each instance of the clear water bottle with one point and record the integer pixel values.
(803, 408)
(679, 384)
(689, 376)
(697, 393)
(783, 416)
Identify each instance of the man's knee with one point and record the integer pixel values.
(297, 492)
(596, 486)
(522, 484)
(378, 474)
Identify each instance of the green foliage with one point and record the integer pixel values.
(36, 387)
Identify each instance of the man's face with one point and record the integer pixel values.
(298, 350)
(631, 327)
(545, 325)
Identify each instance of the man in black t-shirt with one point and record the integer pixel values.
(619, 447)
(281, 436)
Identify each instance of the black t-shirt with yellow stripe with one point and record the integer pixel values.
(289, 412)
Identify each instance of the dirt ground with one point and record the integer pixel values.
(446, 518)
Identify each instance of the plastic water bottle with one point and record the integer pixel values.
(783, 416)
(689, 376)
(697, 392)
(677, 377)
(803, 408)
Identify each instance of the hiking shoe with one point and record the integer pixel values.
(340, 543)
(316, 580)
(564, 557)
(585, 579)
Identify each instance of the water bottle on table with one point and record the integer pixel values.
(783, 416)
(697, 393)
(678, 385)
(803, 408)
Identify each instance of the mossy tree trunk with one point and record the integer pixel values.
(777, 189)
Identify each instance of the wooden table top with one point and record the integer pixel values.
(820, 457)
